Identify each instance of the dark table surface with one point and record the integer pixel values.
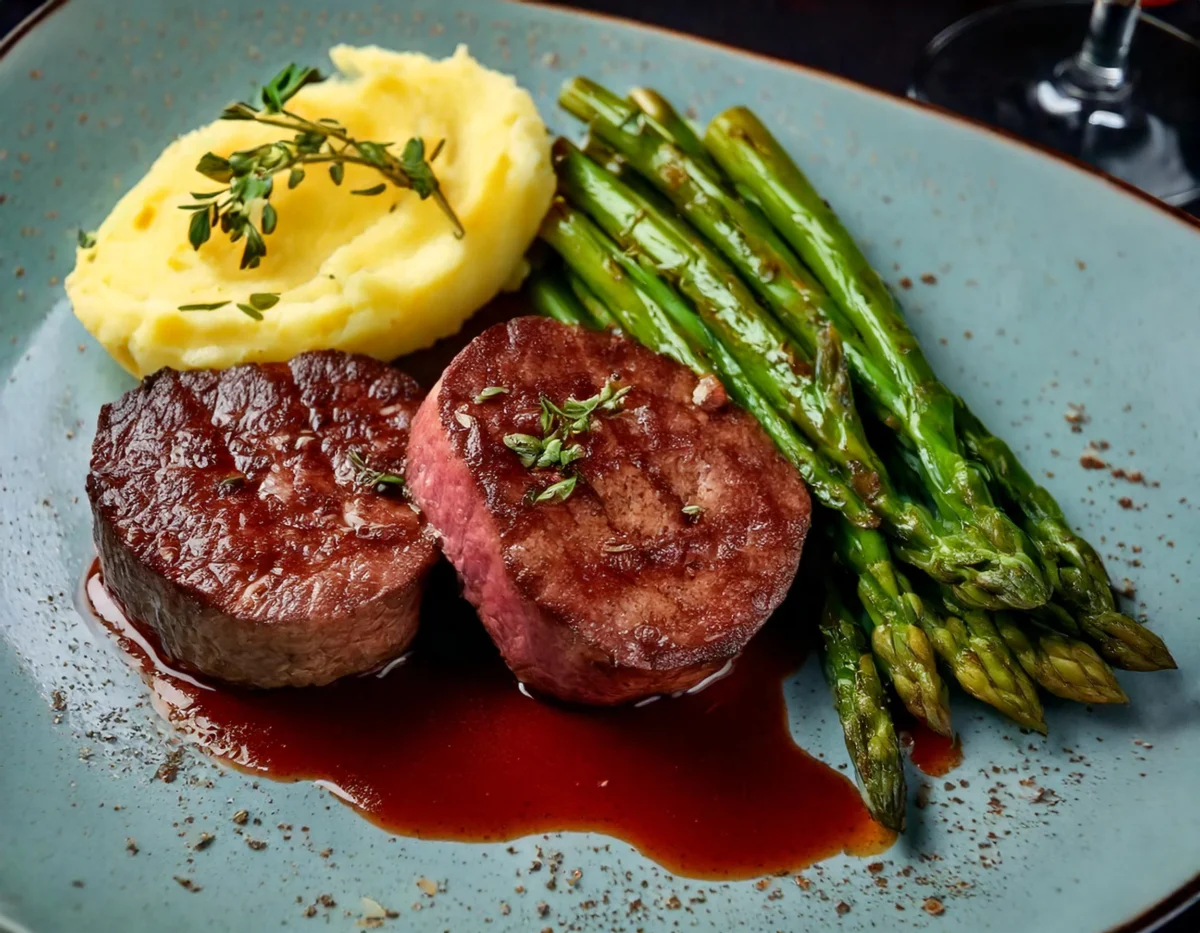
(874, 42)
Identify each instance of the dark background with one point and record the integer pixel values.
(874, 42)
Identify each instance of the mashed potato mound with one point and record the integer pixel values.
(380, 275)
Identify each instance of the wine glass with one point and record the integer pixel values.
(1087, 86)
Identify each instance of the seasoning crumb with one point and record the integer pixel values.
(241, 816)
(256, 844)
(543, 908)
(934, 907)
(310, 910)
(205, 840)
(762, 884)
(929, 279)
(967, 335)
(673, 902)
(1125, 502)
(58, 701)
(325, 853)
(906, 283)
(842, 907)
(1076, 417)
(188, 884)
(1089, 461)
(131, 846)
(428, 888)
(505, 910)
(169, 769)
(875, 868)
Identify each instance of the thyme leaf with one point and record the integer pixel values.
(490, 392)
(376, 479)
(557, 492)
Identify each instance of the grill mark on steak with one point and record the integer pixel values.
(293, 575)
(614, 593)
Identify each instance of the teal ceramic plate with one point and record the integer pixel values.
(1033, 284)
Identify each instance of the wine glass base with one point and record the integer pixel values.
(1011, 66)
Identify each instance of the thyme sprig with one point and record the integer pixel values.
(378, 480)
(249, 174)
(559, 423)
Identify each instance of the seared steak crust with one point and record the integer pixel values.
(618, 592)
(230, 519)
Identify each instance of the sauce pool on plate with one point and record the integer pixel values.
(443, 745)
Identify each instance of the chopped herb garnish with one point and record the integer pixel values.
(559, 424)
(230, 482)
(490, 392)
(210, 306)
(525, 446)
(558, 492)
(258, 303)
(464, 419)
(87, 239)
(692, 510)
(249, 174)
(376, 479)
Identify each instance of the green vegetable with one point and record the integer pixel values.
(893, 618)
(970, 646)
(858, 697)
(1080, 581)
(886, 359)
(1066, 667)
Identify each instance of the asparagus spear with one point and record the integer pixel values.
(552, 298)
(1066, 667)
(983, 665)
(1080, 581)
(822, 403)
(667, 121)
(901, 647)
(862, 708)
(597, 310)
(652, 313)
(920, 406)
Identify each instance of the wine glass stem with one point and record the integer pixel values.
(1100, 65)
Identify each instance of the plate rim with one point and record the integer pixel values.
(1176, 903)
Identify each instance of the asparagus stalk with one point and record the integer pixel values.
(861, 706)
(667, 121)
(1066, 667)
(601, 317)
(872, 325)
(1081, 583)
(653, 314)
(969, 644)
(903, 650)
(821, 403)
(552, 298)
